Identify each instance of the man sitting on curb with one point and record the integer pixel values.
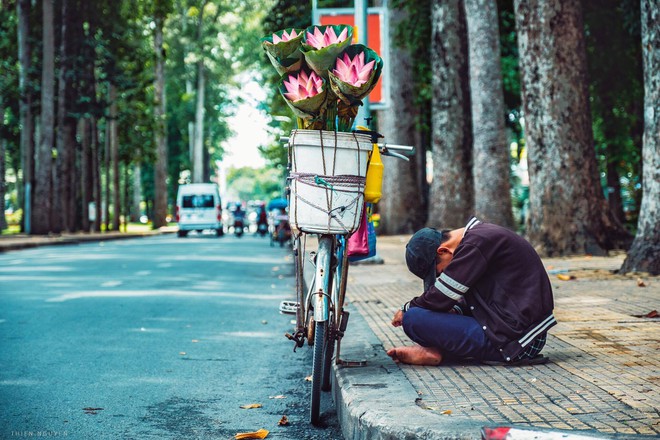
(486, 296)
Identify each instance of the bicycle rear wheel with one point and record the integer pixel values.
(328, 350)
(317, 370)
(322, 315)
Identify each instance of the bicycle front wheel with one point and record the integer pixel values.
(317, 370)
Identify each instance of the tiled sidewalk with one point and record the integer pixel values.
(604, 368)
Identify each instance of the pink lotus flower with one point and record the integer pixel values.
(353, 71)
(320, 40)
(285, 36)
(302, 86)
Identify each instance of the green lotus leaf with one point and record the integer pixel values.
(283, 49)
(349, 93)
(287, 64)
(322, 59)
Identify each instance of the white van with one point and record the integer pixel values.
(199, 207)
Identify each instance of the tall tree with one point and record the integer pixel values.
(43, 190)
(3, 181)
(64, 181)
(644, 254)
(402, 207)
(198, 143)
(160, 168)
(113, 170)
(451, 194)
(568, 213)
(490, 167)
(26, 117)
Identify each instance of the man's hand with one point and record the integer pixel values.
(397, 321)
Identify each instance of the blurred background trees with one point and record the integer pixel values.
(106, 106)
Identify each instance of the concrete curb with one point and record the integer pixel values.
(29, 241)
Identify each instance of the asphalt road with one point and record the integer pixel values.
(152, 338)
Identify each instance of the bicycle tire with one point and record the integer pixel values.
(317, 369)
(329, 350)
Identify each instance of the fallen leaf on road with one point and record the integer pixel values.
(640, 283)
(308, 378)
(262, 433)
(284, 421)
(447, 411)
(565, 277)
(251, 405)
(652, 314)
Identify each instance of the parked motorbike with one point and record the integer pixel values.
(239, 226)
(262, 229)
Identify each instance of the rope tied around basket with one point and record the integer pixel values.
(344, 183)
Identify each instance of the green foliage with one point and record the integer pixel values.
(254, 184)
(9, 93)
(617, 92)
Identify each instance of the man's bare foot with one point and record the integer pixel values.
(416, 355)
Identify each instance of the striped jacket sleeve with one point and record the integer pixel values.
(467, 265)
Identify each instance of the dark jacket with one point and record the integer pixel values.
(498, 278)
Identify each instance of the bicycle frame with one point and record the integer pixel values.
(320, 299)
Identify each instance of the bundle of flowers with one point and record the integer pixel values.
(324, 76)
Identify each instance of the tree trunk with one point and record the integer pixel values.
(198, 149)
(43, 190)
(96, 173)
(614, 199)
(644, 255)
(64, 182)
(451, 194)
(198, 146)
(568, 213)
(136, 211)
(191, 131)
(403, 205)
(106, 168)
(114, 159)
(3, 180)
(85, 171)
(490, 168)
(25, 112)
(160, 167)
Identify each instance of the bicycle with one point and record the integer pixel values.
(321, 319)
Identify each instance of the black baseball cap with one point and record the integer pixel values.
(421, 253)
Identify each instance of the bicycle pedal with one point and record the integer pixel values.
(289, 307)
(352, 364)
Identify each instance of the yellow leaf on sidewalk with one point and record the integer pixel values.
(565, 277)
(251, 405)
(284, 421)
(262, 433)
